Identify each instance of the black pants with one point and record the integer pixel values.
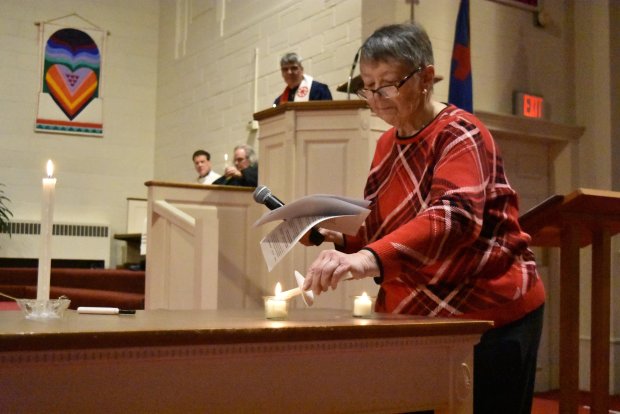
(505, 366)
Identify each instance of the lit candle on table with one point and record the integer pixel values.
(276, 307)
(362, 305)
(47, 222)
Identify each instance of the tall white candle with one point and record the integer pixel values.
(47, 222)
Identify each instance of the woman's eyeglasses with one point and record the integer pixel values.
(387, 91)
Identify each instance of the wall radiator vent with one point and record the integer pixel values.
(75, 230)
(70, 241)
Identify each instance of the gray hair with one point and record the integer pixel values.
(290, 58)
(408, 44)
(249, 153)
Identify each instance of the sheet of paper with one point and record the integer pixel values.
(282, 239)
(342, 214)
(316, 205)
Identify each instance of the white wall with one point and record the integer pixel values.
(207, 68)
(207, 51)
(95, 175)
(508, 52)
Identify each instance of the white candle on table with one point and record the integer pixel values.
(47, 223)
(276, 307)
(307, 296)
(362, 305)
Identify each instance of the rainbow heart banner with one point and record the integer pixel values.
(70, 99)
(72, 90)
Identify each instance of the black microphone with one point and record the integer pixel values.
(263, 195)
(357, 55)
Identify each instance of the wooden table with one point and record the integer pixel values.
(581, 218)
(236, 361)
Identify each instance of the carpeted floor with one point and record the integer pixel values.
(547, 403)
(8, 305)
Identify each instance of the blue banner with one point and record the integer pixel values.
(461, 91)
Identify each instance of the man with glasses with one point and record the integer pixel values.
(299, 86)
(245, 170)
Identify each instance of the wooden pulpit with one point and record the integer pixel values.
(201, 250)
(316, 147)
(581, 218)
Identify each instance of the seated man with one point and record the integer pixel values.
(299, 87)
(245, 171)
(202, 164)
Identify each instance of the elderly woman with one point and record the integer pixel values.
(443, 237)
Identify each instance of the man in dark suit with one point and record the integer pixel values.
(299, 86)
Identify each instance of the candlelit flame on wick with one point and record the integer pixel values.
(50, 169)
(278, 290)
(225, 157)
(364, 295)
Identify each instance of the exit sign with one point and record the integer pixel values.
(528, 105)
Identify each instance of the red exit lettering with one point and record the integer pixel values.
(532, 106)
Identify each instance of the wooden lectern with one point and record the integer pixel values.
(570, 222)
(202, 251)
(316, 147)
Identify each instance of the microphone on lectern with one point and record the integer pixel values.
(264, 196)
(357, 55)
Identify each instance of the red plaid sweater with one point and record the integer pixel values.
(444, 226)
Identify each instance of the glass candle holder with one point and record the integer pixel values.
(362, 306)
(44, 309)
(276, 307)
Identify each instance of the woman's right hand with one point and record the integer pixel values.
(331, 267)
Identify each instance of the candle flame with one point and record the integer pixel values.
(50, 169)
(278, 290)
(225, 157)
(364, 295)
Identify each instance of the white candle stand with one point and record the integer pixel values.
(43, 307)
